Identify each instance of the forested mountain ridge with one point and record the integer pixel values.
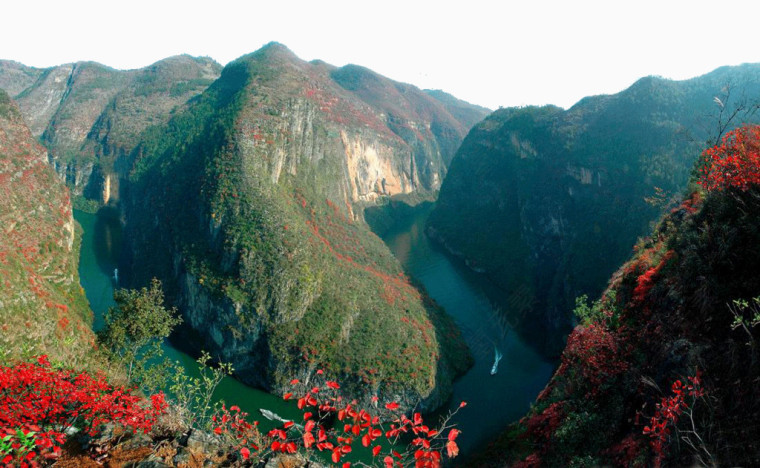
(547, 202)
(255, 196)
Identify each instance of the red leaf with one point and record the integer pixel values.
(451, 449)
(392, 406)
(309, 425)
(308, 439)
(376, 450)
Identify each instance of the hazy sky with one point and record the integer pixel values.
(493, 53)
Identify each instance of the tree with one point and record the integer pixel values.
(136, 327)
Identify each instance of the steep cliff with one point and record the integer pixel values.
(89, 116)
(547, 202)
(42, 306)
(248, 206)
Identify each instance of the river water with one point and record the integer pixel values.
(97, 262)
(492, 400)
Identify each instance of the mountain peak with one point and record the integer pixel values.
(276, 49)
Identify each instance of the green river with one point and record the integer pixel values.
(493, 400)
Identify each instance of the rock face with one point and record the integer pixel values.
(90, 116)
(248, 205)
(547, 202)
(42, 305)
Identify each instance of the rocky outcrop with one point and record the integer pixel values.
(547, 202)
(255, 195)
(42, 305)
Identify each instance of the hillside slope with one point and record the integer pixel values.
(548, 202)
(663, 368)
(42, 307)
(249, 207)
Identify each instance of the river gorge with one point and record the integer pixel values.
(493, 400)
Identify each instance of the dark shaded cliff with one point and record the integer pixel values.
(548, 202)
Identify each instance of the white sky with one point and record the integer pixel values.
(493, 53)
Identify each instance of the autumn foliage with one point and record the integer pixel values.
(594, 349)
(735, 162)
(669, 411)
(41, 405)
(336, 427)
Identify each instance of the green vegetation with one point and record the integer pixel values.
(674, 329)
(7, 109)
(282, 279)
(136, 328)
(550, 201)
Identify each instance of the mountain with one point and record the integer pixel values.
(248, 205)
(663, 368)
(89, 116)
(16, 77)
(42, 307)
(547, 202)
(467, 113)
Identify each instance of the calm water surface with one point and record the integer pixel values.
(99, 258)
(493, 400)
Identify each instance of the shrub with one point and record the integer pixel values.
(735, 162)
(40, 405)
(334, 425)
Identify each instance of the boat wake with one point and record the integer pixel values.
(496, 359)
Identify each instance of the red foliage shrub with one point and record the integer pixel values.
(594, 350)
(333, 425)
(40, 403)
(544, 424)
(735, 162)
(669, 410)
(645, 282)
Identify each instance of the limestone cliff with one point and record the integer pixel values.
(90, 116)
(248, 205)
(42, 306)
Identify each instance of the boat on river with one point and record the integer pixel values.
(496, 359)
(272, 416)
